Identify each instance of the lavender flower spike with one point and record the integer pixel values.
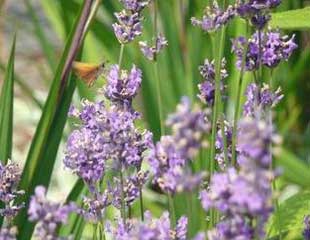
(9, 179)
(214, 18)
(151, 51)
(135, 5)
(128, 27)
(47, 214)
(306, 231)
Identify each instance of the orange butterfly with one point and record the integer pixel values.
(88, 72)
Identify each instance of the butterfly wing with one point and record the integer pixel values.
(86, 71)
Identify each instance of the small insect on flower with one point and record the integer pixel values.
(88, 72)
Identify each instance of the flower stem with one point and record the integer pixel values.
(141, 204)
(171, 210)
(156, 72)
(121, 55)
(123, 207)
(224, 140)
(217, 101)
(217, 104)
(238, 104)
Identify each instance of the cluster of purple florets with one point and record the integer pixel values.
(172, 153)
(274, 48)
(152, 228)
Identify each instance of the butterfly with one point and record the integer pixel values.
(88, 72)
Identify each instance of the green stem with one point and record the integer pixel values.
(141, 205)
(95, 232)
(217, 100)
(238, 105)
(217, 104)
(224, 140)
(171, 210)
(121, 55)
(123, 207)
(156, 72)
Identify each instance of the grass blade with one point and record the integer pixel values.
(42, 153)
(6, 109)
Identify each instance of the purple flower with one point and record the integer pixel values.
(306, 231)
(244, 196)
(188, 125)
(219, 144)
(151, 51)
(86, 154)
(95, 205)
(9, 179)
(253, 141)
(214, 17)
(122, 86)
(274, 49)
(135, 5)
(207, 88)
(128, 27)
(8, 233)
(171, 154)
(47, 214)
(151, 228)
(258, 100)
(257, 11)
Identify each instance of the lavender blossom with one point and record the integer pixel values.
(151, 228)
(214, 17)
(171, 154)
(257, 11)
(86, 154)
(131, 188)
(9, 179)
(245, 196)
(8, 233)
(207, 88)
(129, 26)
(306, 231)
(151, 51)
(274, 49)
(135, 6)
(219, 144)
(122, 86)
(94, 207)
(258, 100)
(47, 214)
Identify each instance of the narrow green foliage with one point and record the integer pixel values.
(291, 20)
(294, 170)
(43, 150)
(6, 109)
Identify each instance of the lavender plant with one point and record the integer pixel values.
(216, 150)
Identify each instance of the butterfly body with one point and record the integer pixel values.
(88, 72)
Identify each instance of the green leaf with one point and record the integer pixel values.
(290, 215)
(292, 20)
(6, 112)
(44, 147)
(294, 169)
(6, 109)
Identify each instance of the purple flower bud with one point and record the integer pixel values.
(274, 49)
(122, 86)
(47, 214)
(135, 5)
(306, 231)
(151, 51)
(8, 233)
(207, 88)
(214, 18)
(128, 27)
